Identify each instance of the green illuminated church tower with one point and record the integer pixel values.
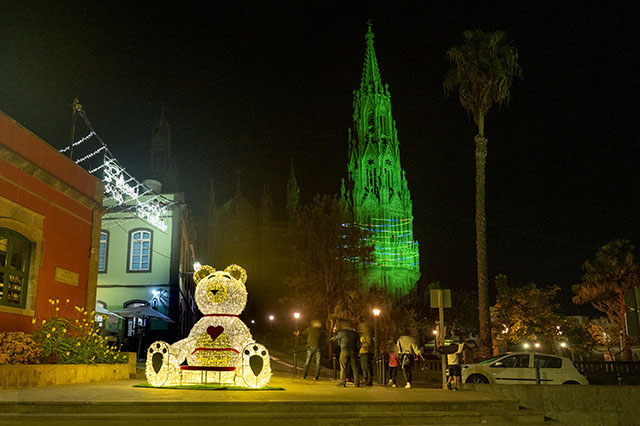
(376, 191)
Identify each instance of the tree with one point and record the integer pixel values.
(325, 252)
(606, 334)
(525, 313)
(484, 69)
(605, 280)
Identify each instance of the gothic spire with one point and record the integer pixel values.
(371, 81)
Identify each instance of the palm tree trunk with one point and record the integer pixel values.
(481, 244)
(627, 355)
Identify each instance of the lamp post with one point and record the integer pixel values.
(376, 347)
(271, 318)
(296, 317)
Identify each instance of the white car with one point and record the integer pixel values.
(522, 368)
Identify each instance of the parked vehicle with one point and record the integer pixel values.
(523, 368)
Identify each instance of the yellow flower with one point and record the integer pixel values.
(53, 329)
(76, 320)
(48, 335)
(78, 344)
(44, 322)
(64, 330)
(68, 353)
(57, 309)
(67, 300)
(33, 321)
(85, 313)
(57, 300)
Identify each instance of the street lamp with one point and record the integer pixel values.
(196, 266)
(271, 318)
(376, 347)
(296, 317)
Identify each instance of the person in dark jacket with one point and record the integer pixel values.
(314, 337)
(349, 342)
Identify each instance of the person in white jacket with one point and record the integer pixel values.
(453, 361)
(407, 347)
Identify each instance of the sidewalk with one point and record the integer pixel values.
(295, 389)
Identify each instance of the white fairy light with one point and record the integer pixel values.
(86, 157)
(78, 142)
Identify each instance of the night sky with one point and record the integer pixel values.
(251, 86)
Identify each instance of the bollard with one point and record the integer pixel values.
(619, 380)
(537, 375)
(335, 370)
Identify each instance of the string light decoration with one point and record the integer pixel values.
(120, 188)
(219, 348)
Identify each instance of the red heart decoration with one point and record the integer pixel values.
(214, 332)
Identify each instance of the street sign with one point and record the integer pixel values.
(436, 298)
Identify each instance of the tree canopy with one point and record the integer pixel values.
(606, 279)
(326, 251)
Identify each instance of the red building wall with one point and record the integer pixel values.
(36, 176)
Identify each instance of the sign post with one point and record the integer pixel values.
(441, 299)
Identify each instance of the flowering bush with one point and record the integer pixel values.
(18, 348)
(74, 339)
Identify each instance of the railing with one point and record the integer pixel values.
(610, 372)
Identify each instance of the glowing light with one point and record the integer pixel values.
(526, 346)
(271, 317)
(563, 345)
(296, 315)
(219, 348)
(537, 345)
(435, 332)
(78, 142)
(376, 312)
(196, 266)
(153, 212)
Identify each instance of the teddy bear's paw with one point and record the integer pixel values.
(255, 368)
(162, 367)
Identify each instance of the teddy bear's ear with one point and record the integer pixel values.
(203, 272)
(237, 272)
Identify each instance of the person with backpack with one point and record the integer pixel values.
(349, 342)
(407, 346)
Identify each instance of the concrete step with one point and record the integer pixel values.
(495, 413)
(256, 406)
(252, 419)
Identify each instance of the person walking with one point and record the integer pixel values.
(349, 342)
(393, 365)
(453, 361)
(408, 349)
(314, 339)
(366, 353)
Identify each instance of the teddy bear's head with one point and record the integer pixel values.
(221, 292)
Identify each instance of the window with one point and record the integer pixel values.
(543, 361)
(514, 361)
(139, 251)
(104, 250)
(15, 251)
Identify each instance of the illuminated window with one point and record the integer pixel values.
(14, 266)
(140, 244)
(104, 250)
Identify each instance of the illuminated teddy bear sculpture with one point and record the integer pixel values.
(219, 348)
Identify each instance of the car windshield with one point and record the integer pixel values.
(493, 358)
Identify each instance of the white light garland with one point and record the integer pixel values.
(86, 157)
(78, 142)
(219, 348)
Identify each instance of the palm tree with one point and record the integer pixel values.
(605, 281)
(484, 68)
